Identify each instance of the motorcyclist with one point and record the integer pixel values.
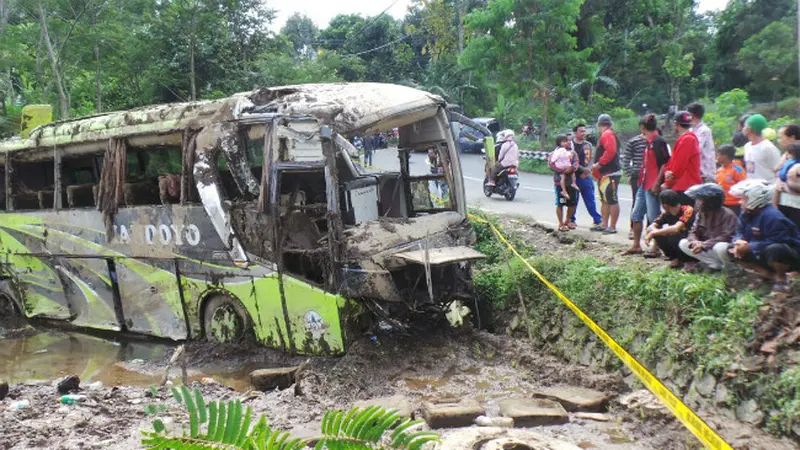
(508, 156)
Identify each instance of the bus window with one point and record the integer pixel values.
(32, 185)
(153, 175)
(79, 178)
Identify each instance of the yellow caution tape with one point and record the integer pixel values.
(693, 423)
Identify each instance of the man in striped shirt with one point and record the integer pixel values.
(632, 159)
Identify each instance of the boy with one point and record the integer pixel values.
(728, 174)
(671, 227)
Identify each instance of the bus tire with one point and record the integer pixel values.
(225, 320)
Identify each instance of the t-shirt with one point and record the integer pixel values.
(760, 160)
(655, 156)
(727, 176)
(686, 216)
(584, 151)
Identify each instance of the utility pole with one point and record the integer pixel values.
(460, 11)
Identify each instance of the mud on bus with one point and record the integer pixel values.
(248, 216)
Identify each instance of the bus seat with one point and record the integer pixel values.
(169, 188)
(301, 232)
(81, 195)
(141, 193)
(26, 200)
(46, 197)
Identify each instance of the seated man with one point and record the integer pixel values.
(508, 157)
(765, 241)
(713, 229)
(671, 227)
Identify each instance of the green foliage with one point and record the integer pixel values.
(220, 425)
(767, 56)
(782, 399)
(539, 166)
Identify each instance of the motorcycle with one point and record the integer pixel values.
(506, 184)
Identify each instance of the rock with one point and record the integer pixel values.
(705, 385)
(664, 369)
(597, 417)
(3, 389)
(500, 439)
(643, 399)
(96, 386)
(398, 403)
(533, 412)
(68, 384)
(453, 414)
(574, 398)
(497, 422)
(748, 412)
(269, 379)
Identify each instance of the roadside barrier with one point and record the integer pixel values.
(690, 420)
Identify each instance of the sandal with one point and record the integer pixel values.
(651, 255)
(572, 225)
(692, 268)
(632, 251)
(780, 289)
(597, 227)
(563, 228)
(676, 264)
(609, 231)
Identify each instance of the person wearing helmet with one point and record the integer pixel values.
(765, 240)
(683, 168)
(508, 157)
(760, 155)
(713, 228)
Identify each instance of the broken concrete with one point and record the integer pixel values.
(398, 403)
(495, 422)
(597, 417)
(68, 384)
(574, 398)
(500, 439)
(454, 414)
(269, 379)
(528, 412)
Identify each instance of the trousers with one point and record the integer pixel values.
(586, 187)
(716, 258)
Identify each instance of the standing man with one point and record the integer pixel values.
(584, 180)
(683, 168)
(632, 159)
(369, 147)
(708, 156)
(608, 171)
(760, 155)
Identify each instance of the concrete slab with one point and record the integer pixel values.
(445, 414)
(533, 412)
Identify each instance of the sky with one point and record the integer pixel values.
(322, 11)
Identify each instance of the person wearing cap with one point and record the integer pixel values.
(683, 168)
(607, 168)
(713, 228)
(760, 155)
(708, 166)
(765, 240)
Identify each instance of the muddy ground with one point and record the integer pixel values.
(120, 380)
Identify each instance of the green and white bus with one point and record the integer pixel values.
(245, 216)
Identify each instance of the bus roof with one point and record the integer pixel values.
(348, 107)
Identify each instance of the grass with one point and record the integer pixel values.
(691, 320)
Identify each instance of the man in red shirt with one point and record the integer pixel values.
(683, 168)
(608, 171)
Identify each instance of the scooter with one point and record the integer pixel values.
(506, 184)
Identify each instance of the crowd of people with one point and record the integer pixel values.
(732, 207)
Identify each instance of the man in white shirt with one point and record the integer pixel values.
(760, 155)
(708, 154)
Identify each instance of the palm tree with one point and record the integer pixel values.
(593, 79)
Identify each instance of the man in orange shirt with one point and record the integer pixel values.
(728, 174)
(608, 170)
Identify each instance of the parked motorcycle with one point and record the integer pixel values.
(506, 184)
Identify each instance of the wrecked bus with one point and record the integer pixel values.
(245, 216)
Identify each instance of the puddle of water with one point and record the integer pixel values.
(421, 384)
(49, 355)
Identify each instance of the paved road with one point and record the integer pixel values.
(534, 199)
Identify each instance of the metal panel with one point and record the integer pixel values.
(442, 255)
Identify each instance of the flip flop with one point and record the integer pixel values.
(609, 231)
(572, 225)
(563, 228)
(631, 251)
(597, 228)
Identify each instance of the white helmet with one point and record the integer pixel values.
(755, 194)
(501, 136)
(508, 135)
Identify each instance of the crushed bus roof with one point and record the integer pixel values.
(347, 107)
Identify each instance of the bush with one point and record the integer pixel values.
(619, 113)
(539, 166)
(732, 103)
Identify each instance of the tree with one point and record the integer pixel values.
(678, 66)
(529, 47)
(302, 33)
(767, 57)
(592, 80)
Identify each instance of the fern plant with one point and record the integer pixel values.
(225, 426)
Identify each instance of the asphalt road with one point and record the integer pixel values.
(535, 197)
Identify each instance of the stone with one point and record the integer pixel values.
(496, 422)
(532, 412)
(443, 414)
(574, 398)
(398, 403)
(664, 369)
(486, 438)
(597, 417)
(269, 379)
(705, 385)
(96, 386)
(748, 412)
(68, 384)
(3, 389)
(643, 399)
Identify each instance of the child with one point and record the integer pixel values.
(671, 227)
(728, 174)
(563, 158)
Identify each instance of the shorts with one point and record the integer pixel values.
(571, 201)
(608, 186)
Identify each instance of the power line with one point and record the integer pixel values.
(378, 48)
(372, 22)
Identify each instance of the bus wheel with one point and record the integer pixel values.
(225, 320)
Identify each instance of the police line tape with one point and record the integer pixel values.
(692, 421)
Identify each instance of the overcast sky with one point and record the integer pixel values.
(322, 11)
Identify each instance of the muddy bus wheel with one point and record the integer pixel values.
(225, 320)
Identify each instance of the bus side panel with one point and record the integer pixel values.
(314, 316)
(150, 297)
(87, 286)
